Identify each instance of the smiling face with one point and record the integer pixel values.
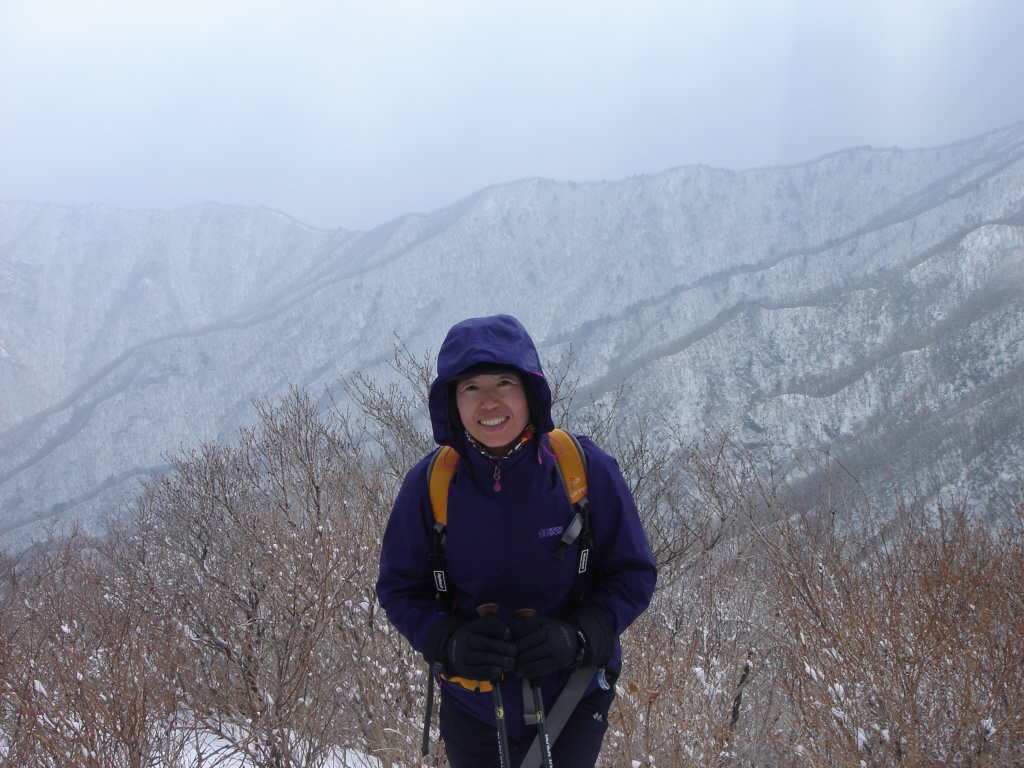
(493, 409)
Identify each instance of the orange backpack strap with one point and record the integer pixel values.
(571, 464)
(440, 472)
(567, 452)
(439, 476)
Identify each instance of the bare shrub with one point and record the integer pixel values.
(270, 550)
(687, 662)
(884, 637)
(78, 682)
(236, 617)
(394, 419)
(907, 651)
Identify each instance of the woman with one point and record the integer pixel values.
(507, 509)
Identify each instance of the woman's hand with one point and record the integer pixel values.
(544, 645)
(481, 649)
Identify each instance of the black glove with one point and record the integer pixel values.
(599, 645)
(478, 649)
(544, 645)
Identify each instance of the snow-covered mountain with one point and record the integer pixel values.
(870, 298)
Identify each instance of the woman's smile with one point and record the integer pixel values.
(493, 409)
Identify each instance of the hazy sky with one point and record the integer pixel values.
(352, 113)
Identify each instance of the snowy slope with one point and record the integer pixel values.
(870, 298)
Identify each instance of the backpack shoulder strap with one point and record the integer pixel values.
(572, 464)
(440, 472)
(568, 453)
(572, 469)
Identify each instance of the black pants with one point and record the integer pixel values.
(472, 743)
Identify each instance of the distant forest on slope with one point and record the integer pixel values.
(871, 300)
(229, 617)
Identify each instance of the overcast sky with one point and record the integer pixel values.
(352, 113)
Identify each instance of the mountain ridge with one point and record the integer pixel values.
(220, 304)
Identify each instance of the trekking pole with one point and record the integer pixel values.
(499, 704)
(538, 703)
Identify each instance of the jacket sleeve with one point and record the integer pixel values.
(405, 586)
(624, 584)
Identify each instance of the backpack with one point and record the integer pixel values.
(572, 469)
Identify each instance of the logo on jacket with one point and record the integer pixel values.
(547, 533)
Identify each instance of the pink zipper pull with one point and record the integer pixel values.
(497, 477)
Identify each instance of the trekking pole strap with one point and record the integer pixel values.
(425, 747)
(560, 712)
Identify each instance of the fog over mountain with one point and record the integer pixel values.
(871, 300)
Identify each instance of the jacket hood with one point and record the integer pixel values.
(495, 340)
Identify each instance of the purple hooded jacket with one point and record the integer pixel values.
(500, 543)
